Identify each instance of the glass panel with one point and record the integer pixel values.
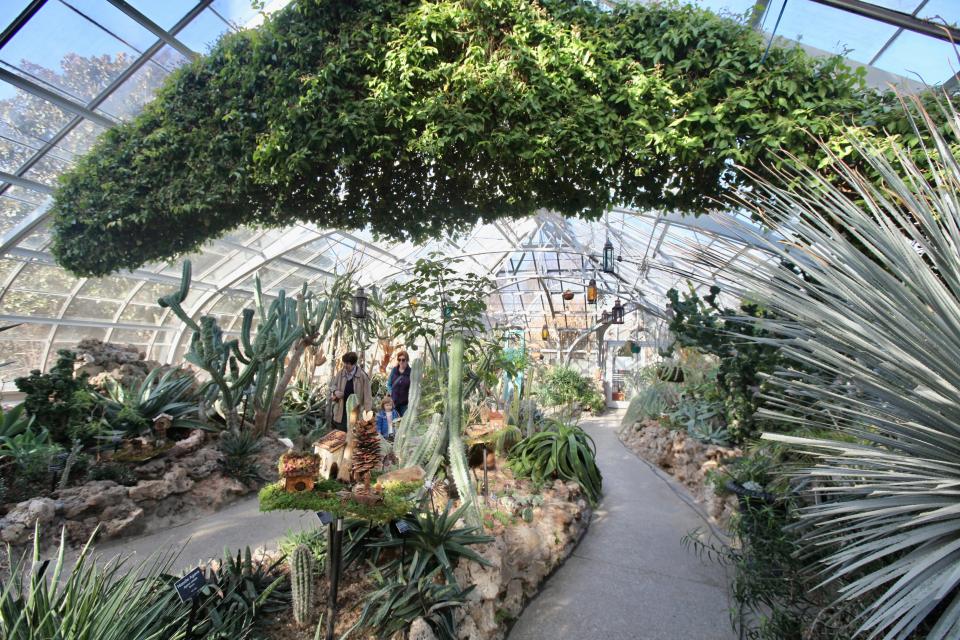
(150, 292)
(23, 356)
(72, 335)
(47, 169)
(167, 13)
(44, 278)
(27, 331)
(142, 314)
(25, 303)
(12, 212)
(93, 309)
(127, 336)
(130, 97)
(81, 65)
(111, 287)
(919, 57)
(203, 31)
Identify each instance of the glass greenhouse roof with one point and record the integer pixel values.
(69, 69)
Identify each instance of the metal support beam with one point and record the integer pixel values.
(11, 29)
(896, 18)
(154, 28)
(26, 183)
(54, 98)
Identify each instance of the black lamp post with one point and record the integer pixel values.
(360, 304)
(618, 310)
(609, 260)
(592, 291)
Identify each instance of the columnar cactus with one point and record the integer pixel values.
(403, 445)
(301, 581)
(456, 451)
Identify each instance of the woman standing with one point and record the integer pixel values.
(398, 383)
(350, 380)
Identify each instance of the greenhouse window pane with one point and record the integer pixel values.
(48, 169)
(38, 239)
(14, 151)
(72, 335)
(128, 336)
(44, 278)
(12, 211)
(23, 356)
(26, 303)
(203, 31)
(151, 292)
(89, 308)
(111, 287)
(80, 66)
(27, 332)
(142, 314)
(920, 57)
(131, 96)
(167, 13)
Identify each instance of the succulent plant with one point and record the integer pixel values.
(301, 581)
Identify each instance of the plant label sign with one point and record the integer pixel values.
(403, 527)
(188, 587)
(325, 517)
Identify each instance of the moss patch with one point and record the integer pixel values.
(398, 499)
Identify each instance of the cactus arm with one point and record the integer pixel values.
(301, 583)
(457, 452)
(409, 420)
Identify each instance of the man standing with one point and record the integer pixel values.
(350, 380)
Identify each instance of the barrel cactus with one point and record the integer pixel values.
(301, 581)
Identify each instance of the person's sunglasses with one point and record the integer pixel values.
(401, 359)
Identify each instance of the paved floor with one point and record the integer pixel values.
(239, 525)
(630, 578)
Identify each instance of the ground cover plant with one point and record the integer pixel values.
(387, 114)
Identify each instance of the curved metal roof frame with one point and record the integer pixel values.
(53, 106)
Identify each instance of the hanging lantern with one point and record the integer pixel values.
(414, 301)
(544, 333)
(592, 291)
(634, 347)
(618, 310)
(567, 295)
(608, 258)
(605, 317)
(360, 304)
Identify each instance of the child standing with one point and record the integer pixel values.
(386, 418)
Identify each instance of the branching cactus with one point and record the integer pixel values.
(302, 581)
(254, 363)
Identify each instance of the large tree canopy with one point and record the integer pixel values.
(418, 117)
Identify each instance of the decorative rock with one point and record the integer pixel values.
(178, 481)
(127, 523)
(188, 445)
(203, 463)
(420, 630)
(148, 490)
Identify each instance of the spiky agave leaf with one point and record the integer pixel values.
(873, 315)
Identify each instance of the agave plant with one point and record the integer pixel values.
(563, 451)
(866, 296)
(14, 421)
(133, 409)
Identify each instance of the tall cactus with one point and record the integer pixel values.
(403, 445)
(302, 581)
(457, 452)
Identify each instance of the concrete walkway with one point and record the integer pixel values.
(235, 527)
(630, 578)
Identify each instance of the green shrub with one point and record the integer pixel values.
(114, 471)
(562, 451)
(567, 386)
(57, 401)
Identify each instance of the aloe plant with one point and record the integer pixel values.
(874, 314)
(14, 421)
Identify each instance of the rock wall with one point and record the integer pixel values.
(523, 555)
(101, 360)
(687, 460)
(175, 488)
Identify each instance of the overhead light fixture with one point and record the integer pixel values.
(605, 317)
(545, 333)
(618, 311)
(567, 295)
(360, 304)
(414, 301)
(592, 291)
(609, 260)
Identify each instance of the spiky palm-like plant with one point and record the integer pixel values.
(866, 296)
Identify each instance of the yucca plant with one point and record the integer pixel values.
(865, 294)
(561, 450)
(95, 602)
(650, 402)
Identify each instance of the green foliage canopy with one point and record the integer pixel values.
(418, 118)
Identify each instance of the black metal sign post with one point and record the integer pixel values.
(188, 588)
(334, 553)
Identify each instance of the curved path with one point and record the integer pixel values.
(630, 578)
